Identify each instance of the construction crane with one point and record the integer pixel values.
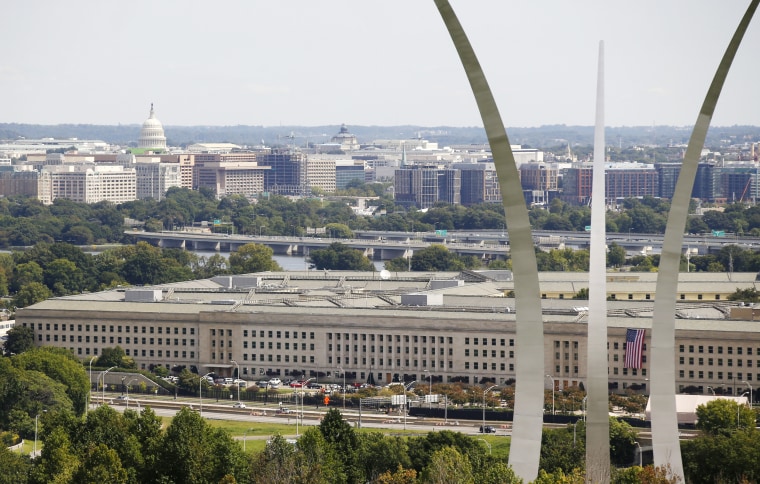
(746, 187)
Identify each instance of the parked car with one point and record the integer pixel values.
(239, 405)
(487, 429)
(228, 381)
(275, 383)
(262, 383)
(284, 410)
(296, 384)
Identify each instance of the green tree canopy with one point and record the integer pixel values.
(340, 257)
(62, 366)
(722, 416)
(20, 339)
(253, 258)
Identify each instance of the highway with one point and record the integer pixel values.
(386, 245)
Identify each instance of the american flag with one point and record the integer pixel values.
(634, 342)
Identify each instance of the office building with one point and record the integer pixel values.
(423, 186)
(452, 326)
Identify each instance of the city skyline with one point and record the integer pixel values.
(256, 63)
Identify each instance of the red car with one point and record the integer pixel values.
(296, 384)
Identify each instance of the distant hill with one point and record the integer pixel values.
(544, 137)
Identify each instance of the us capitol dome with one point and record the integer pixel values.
(152, 133)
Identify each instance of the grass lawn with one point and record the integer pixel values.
(258, 433)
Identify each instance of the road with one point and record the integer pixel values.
(168, 407)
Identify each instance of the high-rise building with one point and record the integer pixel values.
(425, 185)
(479, 183)
(287, 174)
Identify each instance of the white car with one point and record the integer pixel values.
(275, 383)
(239, 405)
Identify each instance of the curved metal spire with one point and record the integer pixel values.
(667, 451)
(598, 420)
(525, 449)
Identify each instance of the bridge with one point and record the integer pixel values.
(380, 248)
(493, 244)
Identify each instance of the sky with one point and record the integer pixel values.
(370, 62)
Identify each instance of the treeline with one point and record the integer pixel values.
(26, 221)
(59, 269)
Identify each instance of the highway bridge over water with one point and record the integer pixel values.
(390, 245)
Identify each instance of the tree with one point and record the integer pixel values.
(446, 466)
(253, 258)
(339, 434)
(114, 357)
(497, 473)
(622, 446)
(563, 449)
(436, 257)
(101, 464)
(381, 454)
(206, 454)
(31, 293)
(582, 294)
(58, 461)
(20, 339)
(746, 295)
(615, 255)
(340, 257)
(721, 416)
(339, 231)
(63, 367)
(16, 467)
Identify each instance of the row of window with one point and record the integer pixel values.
(502, 341)
(729, 375)
(381, 349)
(729, 361)
(270, 345)
(398, 338)
(119, 329)
(614, 296)
(117, 340)
(484, 366)
(710, 349)
(269, 334)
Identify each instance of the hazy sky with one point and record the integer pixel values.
(369, 62)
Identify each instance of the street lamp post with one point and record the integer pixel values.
(712, 390)
(344, 388)
(638, 446)
(738, 408)
(89, 394)
(104, 384)
(750, 392)
(127, 387)
(200, 393)
(237, 370)
(34, 452)
(430, 388)
(552, 379)
(483, 428)
(406, 389)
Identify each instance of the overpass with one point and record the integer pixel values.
(380, 248)
(493, 244)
